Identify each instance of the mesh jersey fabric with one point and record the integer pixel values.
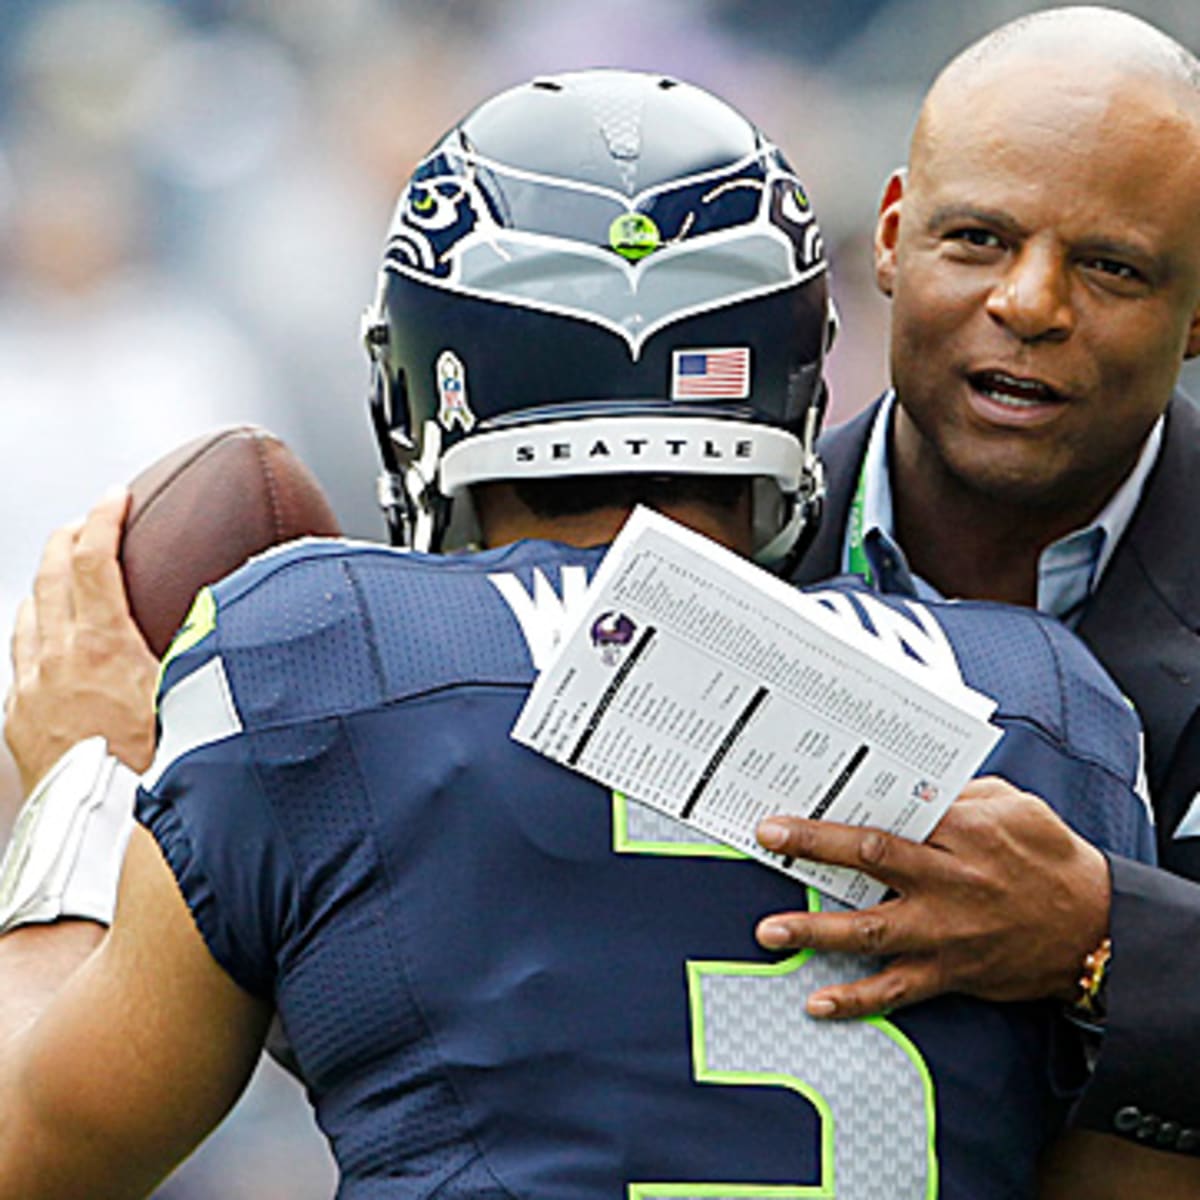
(499, 979)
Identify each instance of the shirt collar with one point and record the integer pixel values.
(877, 509)
(1115, 516)
(1079, 558)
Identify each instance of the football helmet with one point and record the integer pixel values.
(599, 272)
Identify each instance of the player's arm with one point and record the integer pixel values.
(1004, 901)
(143, 1046)
(1100, 1167)
(118, 1051)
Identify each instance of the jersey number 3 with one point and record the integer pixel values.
(867, 1082)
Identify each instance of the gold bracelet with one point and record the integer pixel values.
(1091, 982)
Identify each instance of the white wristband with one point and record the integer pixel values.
(65, 854)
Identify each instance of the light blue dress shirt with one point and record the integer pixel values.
(1069, 569)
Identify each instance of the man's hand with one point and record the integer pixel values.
(80, 665)
(1002, 902)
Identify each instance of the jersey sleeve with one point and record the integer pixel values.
(202, 803)
(219, 848)
(254, 795)
(1099, 736)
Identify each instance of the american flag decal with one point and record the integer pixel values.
(711, 374)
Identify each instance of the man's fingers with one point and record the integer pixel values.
(23, 647)
(96, 574)
(52, 585)
(891, 860)
(902, 982)
(873, 931)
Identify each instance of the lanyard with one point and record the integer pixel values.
(856, 555)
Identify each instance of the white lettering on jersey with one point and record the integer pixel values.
(912, 633)
(543, 615)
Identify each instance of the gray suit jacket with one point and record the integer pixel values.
(1143, 623)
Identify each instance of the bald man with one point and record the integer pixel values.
(1042, 256)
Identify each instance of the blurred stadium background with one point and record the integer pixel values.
(193, 195)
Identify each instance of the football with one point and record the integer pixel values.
(205, 508)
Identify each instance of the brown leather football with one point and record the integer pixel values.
(205, 508)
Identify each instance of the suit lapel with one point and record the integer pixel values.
(1143, 619)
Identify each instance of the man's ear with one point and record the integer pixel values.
(887, 232)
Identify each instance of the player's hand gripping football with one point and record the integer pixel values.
(80, 665)
(1002, 902)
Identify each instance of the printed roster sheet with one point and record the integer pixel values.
(699, 684)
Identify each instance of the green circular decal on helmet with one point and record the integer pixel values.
(633, 235)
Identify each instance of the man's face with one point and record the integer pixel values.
(1043, 259)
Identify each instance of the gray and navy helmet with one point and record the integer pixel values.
(600, 272)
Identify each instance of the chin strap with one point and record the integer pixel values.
(67, 846)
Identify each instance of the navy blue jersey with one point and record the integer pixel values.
(500, 980)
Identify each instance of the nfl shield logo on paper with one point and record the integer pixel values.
(711, 374)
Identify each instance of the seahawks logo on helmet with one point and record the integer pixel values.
(436, 211)
(472, 224)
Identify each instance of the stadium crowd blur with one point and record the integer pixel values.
(193, 195)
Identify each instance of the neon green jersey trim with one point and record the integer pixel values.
(826, 1188)
(198, 624)
(624, 843)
